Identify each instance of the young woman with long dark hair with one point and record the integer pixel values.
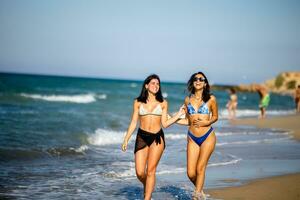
(201, 112)
(150, 109)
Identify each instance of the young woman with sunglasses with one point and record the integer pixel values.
(201, 113)
(150, 109)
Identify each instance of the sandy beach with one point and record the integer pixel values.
(290, 122)
(279, 187)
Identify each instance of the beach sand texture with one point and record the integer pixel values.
(290, 122)
(279, 187)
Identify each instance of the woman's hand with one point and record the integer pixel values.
(181, 111)
(124, 145)
(200, 123)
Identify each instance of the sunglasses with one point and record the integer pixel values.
(201, 79)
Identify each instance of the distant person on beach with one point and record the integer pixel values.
(297, 99)
(150, 110)
(201, 112)
(232, 103)
(264, 99)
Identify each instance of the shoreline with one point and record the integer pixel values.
(289, 123)
(275, 187)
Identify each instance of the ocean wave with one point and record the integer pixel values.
(20, 154)
(165, 95)
(30, 154)
(67, 151)
(81, 98)
(105, 137)
(129, 172)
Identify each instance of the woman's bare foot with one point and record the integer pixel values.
(198, 196)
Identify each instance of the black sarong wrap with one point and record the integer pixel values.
(144, 138)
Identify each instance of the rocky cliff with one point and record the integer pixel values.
(284, 83)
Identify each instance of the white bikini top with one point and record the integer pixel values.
(156, 111)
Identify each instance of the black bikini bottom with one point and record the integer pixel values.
(144, 138)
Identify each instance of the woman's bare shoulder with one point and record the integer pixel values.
(186, 100)
(137, 103)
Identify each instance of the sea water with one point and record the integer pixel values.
(60, 138)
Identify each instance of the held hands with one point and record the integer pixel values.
(181, 111)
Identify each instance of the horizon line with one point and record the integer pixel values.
(95, 77)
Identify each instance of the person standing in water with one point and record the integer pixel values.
(232, 103)
(201, 112)
(150, 110)
(264, 99)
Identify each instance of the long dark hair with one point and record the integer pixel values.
(144, 93)
(232, 90)
(206, 91)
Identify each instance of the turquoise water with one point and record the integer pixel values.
(60, 138)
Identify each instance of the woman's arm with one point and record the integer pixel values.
(214, 110)
(185, 121)
(164, 118)
(132, 125)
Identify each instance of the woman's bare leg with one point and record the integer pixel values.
(154, 155)
(206, 149)
(141, 157)
(193, 152)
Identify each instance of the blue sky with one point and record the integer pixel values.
(233, 42)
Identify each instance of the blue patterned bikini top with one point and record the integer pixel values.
(203, 109)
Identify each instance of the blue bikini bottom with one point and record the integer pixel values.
(200, 140)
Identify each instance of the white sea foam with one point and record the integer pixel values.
(126, 174)
(133, 85)
(273, 140)
(175, 136)
(165, 95)
(81, 98)
(129, 173)
(81, 149)
(171, 170)
(102, 96)
(231, 162)
(223, 113)
(221, 134)
(105, 137)
(237, 133)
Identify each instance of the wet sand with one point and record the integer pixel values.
(275, 188)
(290, 122)
(278, 187)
